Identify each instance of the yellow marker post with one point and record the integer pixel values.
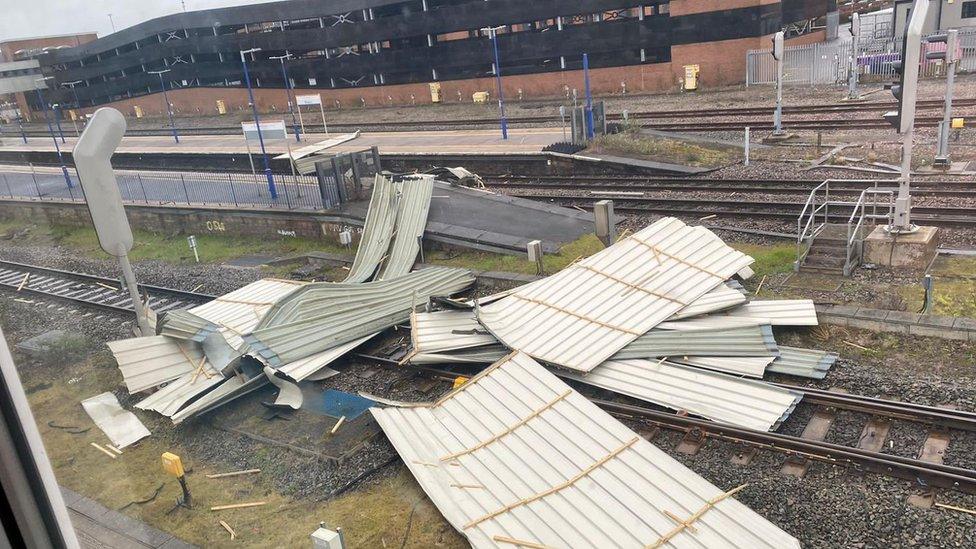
(958, 123)
(460, 380)
(173, 465)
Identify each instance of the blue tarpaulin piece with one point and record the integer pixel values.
(338, 403)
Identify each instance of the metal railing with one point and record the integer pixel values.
(805, 233)
(855, 237)
(227, 189)
(827, 63)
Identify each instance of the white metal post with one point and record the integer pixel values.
(322, 112)
(779, 53)
(855, 50)
(747, 146)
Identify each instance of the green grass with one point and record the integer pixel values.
(661, 149)
(770, 260)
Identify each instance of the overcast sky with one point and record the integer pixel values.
(29, 18)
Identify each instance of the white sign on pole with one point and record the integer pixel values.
(270, 129)
(309, 99)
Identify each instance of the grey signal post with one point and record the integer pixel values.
(855, 49)
(907, 94)
(951, 59)
(778, 52)
(92, 156)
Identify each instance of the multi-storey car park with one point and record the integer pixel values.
(359, 52)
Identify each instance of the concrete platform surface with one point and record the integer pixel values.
(99, 527)
(521, 141)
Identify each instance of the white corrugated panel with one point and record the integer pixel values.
(240, 311)
(750, 366)
(118, 424)
(582, 315)
(411, 220)
(146, 362)
(306, 367)
(803, 362)
(171, 398)
(377, 231)
(718, 299)
(516, 457)
(486, 354)
(779, 312)
(447, 330)
(719, 397)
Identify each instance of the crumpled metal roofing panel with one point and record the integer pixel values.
(750, 366)
(486, 354)
(803, 362)
(744, 341)
(584, 314)
(325, 315)
(239, 312)
(307, 367)
(377, 231)
(779, 312)
(411, 219)
(516, 457)
(718, 299)
(170, 399)
(446, 331)
(146, 362)
(185, 325)
(719, 397)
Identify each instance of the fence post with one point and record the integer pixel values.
(36, 186)
(185, 192)
(232, 193)
(145, 197)
(284, 186)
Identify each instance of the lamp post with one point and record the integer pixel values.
(498, 77)
(169, 108)
(112, 21)
(288, 93)
(74, 94)
(56, 107)
(50, 129)
(257, 123)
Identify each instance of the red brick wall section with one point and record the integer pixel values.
(687, 7)
(193, 101)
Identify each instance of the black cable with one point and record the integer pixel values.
(409, 523)
(144, 501)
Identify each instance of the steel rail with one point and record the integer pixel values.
(89, 290)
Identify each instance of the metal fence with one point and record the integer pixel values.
(829, 63)
(170, 188)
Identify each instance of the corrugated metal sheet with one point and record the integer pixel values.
(744, 341)
(411, 219)
(486, 354)
(750, 366)
(803, 362)
(720, 298)
(185, 325)
(712, 395)
(321, 316)
(584, 314)
(516, 457)
(119, 424)
(377, 231)
(307, 367)
(447, 331)
(170, 399)
(147, 362)
(239, 312)
(779, 312)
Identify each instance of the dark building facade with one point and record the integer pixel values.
(388, 51)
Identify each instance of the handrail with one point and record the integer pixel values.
(854, 230)
(811, 205)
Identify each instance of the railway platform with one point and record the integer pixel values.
(520, 141)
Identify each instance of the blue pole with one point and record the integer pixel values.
(288, 94)
(590, 131)
(23, 134)
(169, 110)
(257, 124)
(64, 169)
(498, 82)
(57, 120)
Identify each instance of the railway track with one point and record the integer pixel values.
(865, 456)
(839, 212)
(693, 114)
(90, 291)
